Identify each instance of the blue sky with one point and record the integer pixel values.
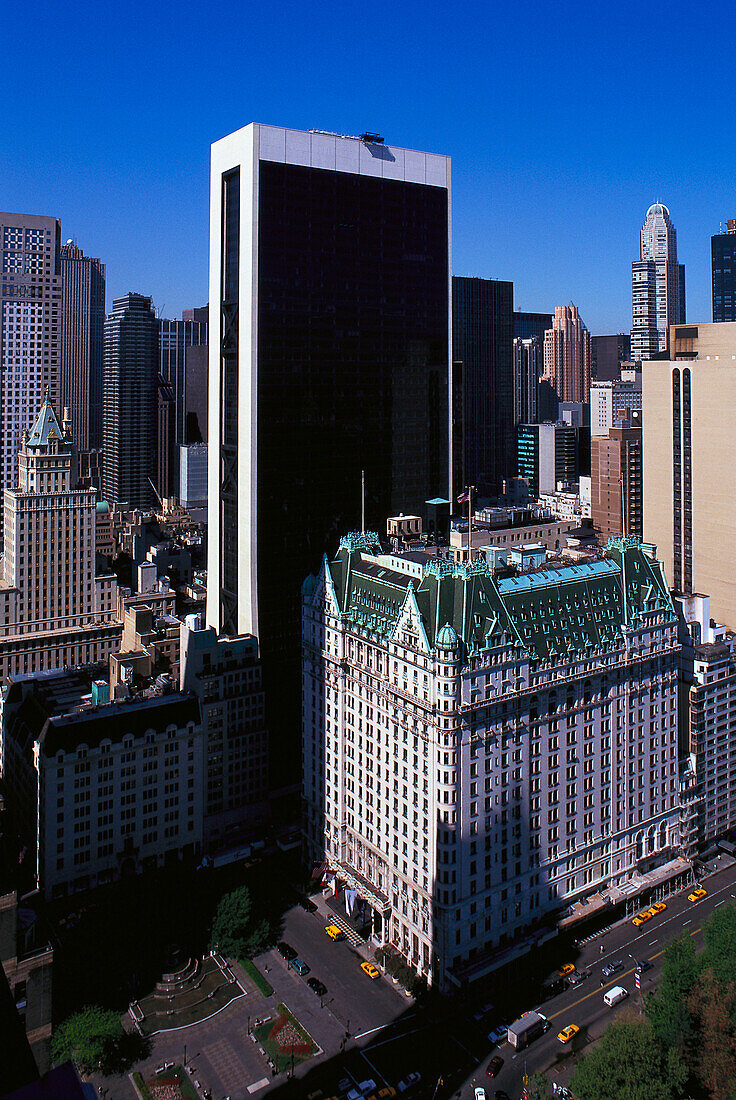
(564, 122)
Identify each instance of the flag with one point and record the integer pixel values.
(464, 497)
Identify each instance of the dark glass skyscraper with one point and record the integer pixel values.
(130, 402)
(482, 339)
(82, 326)
(329, 354)
(723, 268)
(527, 325)
(176, 337)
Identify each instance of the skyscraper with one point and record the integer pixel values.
(30, 308)
(689, 458)
(527, 325)
(723, 269)
(482, 339)
(54, 609)
(82, 330)
(616, 481)
(175, 340)
(567, 355)
(329, 354)
(657, 285)
(130, 402)
(607, 355)
(528, 367)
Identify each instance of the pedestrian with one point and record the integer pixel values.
(603, 949)
(603, 982)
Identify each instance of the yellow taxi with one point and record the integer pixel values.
(370, 970)
(697, 894)
(334, 932)
(658, 907)
(568, 968)
(568, 1033)
(642, 918)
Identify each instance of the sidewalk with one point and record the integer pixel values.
(332, 911)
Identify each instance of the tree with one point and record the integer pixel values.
(92, 1038)
(628, 1064)
(666, 1010)
(719, 936)
(714, 1055)
(235, 930)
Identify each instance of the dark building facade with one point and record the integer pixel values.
(607, 355)
(175, 339)
(196, 367)
(527, 325)
(482, 339)
(723, 270)
(329, 355)
(82, 335)
(130, 402)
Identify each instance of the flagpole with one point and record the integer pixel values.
(362, 502)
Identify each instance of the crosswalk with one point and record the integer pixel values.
(350, 934)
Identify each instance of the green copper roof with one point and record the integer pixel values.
(552, 613)
(447, 638)
(46, 425)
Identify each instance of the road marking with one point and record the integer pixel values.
(371, 1032)
(651, 942)
(686, 922)
(721, 902)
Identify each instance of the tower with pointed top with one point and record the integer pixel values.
(657, 285)
(54, 610)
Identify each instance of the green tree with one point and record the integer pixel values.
(714, 1055)
(235, 930)
(628, 1064)
(719, 937)
(92, 1038)
(667, 1011)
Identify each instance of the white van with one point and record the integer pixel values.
(618, 993)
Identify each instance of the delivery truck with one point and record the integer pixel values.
(527, 1029)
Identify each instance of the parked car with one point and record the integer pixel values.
(568, 1033)
(483, 1010)
(480, 1093)
(409, 1081)
(307, 904)
(658, 907)
(495, 1065)
(642, 965)
(642, 918)
(286, 951)
(317, 986)
(568, 968)
(697, 894)
(334, 932)
(613, 968)
(498, 1034)
(370, 970)
(578, 977)
(301, 967)
(613, 996)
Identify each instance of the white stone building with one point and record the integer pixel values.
(54, 609)
(99, 790)
(479, 753)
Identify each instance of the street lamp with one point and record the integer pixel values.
(249, 1025)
